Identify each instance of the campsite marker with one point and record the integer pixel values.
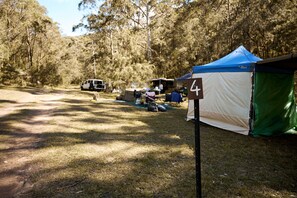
(196, 93)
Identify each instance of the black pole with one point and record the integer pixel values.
(197, 149)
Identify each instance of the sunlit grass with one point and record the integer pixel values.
(4, 142)
(101, 148)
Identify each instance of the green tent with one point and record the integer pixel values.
(274, 106)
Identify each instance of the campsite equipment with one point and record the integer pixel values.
(152, 107)
(184, 77)
(246, 95)
(181, 81)
(176, 97)
(150, 96)
(167, 84)
(138, 101)
(168, 97)
(161, 108)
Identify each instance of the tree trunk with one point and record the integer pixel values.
(29, 51)
(94, 60)
(111, 46)
(149, 51)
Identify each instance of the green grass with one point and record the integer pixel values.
(107, 149)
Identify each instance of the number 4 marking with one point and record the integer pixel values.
(196, 88)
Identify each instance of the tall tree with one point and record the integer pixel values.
(134, 40)
(26, 29)
(119, 43)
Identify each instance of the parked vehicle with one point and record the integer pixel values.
(93, 85)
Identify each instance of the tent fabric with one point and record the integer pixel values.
(282, 64)
(226, 103)
(184, 77)
(227, 86)
(274, 104)
(288, 62)
(240, 60)
(248, 96)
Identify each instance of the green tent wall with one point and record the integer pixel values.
(274, 102)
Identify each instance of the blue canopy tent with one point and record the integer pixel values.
(184, 77)
(240, 60)
(181, 81)
(239, 95)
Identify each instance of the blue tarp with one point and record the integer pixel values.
(185, 77)
(240, 60)
(176, 97)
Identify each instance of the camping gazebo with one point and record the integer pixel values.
(247, 95)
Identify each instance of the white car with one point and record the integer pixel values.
(93, 85)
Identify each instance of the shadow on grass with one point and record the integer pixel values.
(232, 165)
(43, 90)
(31, 90)
(8, 101)
(138, 177)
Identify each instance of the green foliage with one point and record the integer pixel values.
(71, 62)
(8, 73)
(28, 41)
(133, 41)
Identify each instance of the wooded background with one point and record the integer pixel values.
(131, 41)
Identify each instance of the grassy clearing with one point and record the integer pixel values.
(108, 149)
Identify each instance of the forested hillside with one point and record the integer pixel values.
(135, 40)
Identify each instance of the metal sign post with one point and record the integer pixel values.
(195, 92)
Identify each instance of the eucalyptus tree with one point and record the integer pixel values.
(142, 15)
(11, 13)
(183, 37)
(28, 37)
(3, 46)
(204, 31)
(267, 28)
(120, 48)
(175, 35)
(129, 14)
(72, 62)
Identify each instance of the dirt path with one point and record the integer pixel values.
(18, 139)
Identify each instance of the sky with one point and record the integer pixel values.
(66, 14)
